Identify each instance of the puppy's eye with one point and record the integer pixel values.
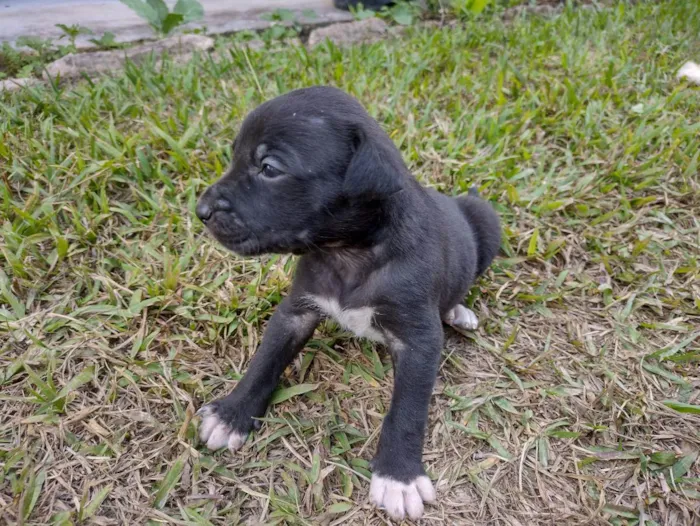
(270, 171)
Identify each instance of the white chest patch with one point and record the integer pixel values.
(357, 321)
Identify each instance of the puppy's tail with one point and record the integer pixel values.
(485, 224)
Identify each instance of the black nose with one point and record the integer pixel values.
(204, 210)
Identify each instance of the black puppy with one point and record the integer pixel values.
(367, 4)
(314, 174)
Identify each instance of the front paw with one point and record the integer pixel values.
(401, 498)
(216, 431)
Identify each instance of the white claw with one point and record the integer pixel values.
(217, 434)
(399, 499)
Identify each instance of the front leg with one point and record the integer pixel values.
(226, 422)
(399, 483)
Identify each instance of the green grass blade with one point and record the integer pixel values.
(284, 394)
(94, 505)
(32, 492)
(682, 407)
(171, 479)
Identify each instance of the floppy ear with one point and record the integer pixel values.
(376, 170)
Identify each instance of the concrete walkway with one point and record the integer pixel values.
(39, 17)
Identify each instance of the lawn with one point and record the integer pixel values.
(577, 401)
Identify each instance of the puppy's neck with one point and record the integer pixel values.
(354, 225)
(349, 268)
(355, 256)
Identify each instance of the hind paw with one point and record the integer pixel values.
(462, 318)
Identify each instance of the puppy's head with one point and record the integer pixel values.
(310, 169)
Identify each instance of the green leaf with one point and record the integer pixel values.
(549, 206)
(107, 40)
(62, 518)
(61, 246)
(506, 405)
(681, 467)
(496, 444)
(282, 395)
(47, 391)
(339, 507)
(477, 6)
(691, 493)
(660, 371)
(470, 431)
(402, 14)
(17, 306)
(621, 511)
(639, 246)
(664, 354)
(532, 246)
(171, 479)
(73, 30)
(681, 407)
(32, 492)
(44, 419)
(190, 10)
(171, 22)
(663, 458)
(134, 302)
(175, 145)
(516, 379)
(362, 14)
(143, 10)
(160, 8)
(197, 518)
(94, 505)
(315, 471)
(81, 378)
(16, 365)
(280, 15)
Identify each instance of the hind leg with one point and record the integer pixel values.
(461, 317)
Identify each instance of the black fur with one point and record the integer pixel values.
(375, 5)
(340, 194)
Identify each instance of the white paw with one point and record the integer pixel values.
(462, 317)
(215, 433)
(399, 499)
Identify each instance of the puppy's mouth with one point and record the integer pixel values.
(221, 229)
(236, 242)
(240, 238)
(251, 244)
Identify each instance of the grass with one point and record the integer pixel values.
(23, 64)
(576, 402)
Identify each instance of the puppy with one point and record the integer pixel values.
(313, 174)
(375, 5)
